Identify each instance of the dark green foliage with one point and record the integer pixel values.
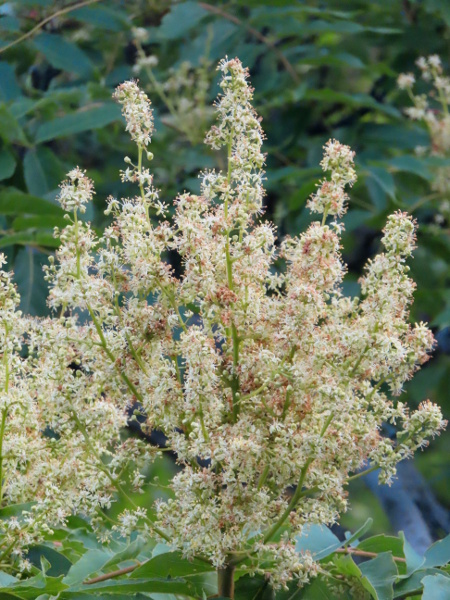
(395, 571)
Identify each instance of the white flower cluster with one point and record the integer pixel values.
(239, 131)
(38, 475)
(76, 192)
(330, 198)
(433, 109)
(184, 93)
(261, 381)
(137, 112)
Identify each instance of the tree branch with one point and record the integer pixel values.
(112, 574)
(356, 552)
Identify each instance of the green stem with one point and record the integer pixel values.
(358, 362)
(170, 296)
(113, 479)
(229, 267)
(325, 214)
(118, 312)
(5, 410)
(141, 186)
(292, 504)
(2, 433)
(299, 493)
(441, 94)
(7, 552)
(164, 97)
(362, 473)
(202, 423)
(110, 355)
(263, 477)
(75, 219)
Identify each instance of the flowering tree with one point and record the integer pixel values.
(263, 376)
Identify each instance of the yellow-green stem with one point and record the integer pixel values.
(292, 504)
(2, 433)
(263, 477)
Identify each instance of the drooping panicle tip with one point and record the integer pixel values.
(400, 234)
(136, 108)
(331, 198)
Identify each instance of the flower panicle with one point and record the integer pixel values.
(433, 108)
(76, 191)
(136, 108)
(253, 374)
(331, 198)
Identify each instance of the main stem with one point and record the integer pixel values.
(225, 581)
(229, 267)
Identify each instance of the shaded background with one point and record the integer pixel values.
(320, 70)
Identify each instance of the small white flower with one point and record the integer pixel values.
(406, 81)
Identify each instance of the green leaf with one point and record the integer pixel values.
(10, 129)
(319, 25)
(89, 596)
(30, 281)
(359, 532)
(384, 179)
(440, 6)
(90, 563)
(334, 59)
(42, 171)
(413, 584)
(23, 106)
(7, 164)
(193, 308)
(131, 551)
(171, 564)
(46, 223)
(438, 554)
(6, 579)
(15, 202)
(63, 54)
(9, 23)
(15, 510)
(111, 19)
(382, 543)
(131, 586)
(411, 164)
(180, 20)
(9, 88)
(316, 590)
(318, 540)
(29, 238)
(82, 120)
(249, 588)
(30, 589)
(351, 100)
(436, 587)
(413, 560)
(59, 564)
(380, 574)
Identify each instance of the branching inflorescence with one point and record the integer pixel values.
(271, 378)
(433, 109)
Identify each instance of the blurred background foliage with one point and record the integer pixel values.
(321, 69)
